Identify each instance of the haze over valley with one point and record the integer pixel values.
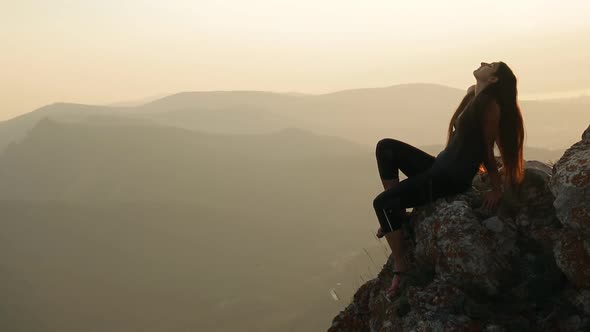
(200, 205)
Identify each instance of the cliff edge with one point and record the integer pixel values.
(526, 267)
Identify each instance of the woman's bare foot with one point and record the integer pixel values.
(380, 233)
(393, 290)
(398, 274)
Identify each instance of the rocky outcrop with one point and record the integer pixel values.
(569, 184)
(524, 267)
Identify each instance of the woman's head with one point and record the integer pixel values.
(499, 81)
(486, 72)
(500, 85)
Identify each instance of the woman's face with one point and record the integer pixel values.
(486, 72)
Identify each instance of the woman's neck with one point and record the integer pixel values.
(480, 86)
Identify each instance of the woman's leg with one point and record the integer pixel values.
(411, 192)
(394, 155)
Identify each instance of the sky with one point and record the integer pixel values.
(107, 51)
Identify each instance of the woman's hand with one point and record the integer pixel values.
(491, 199)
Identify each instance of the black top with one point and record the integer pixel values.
(456, 162)
(461, 158)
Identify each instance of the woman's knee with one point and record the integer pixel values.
(386, 198)
(385, 148)
(379, 201)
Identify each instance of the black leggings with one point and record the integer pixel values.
(422, 186)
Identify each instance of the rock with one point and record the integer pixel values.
(535, 204)
(579, 298)
(569, 184)
(572, 254)
(461, 248)
(535, 165)
(494, 328)
(572, 323)
(494, 224)
(582, 300)
(536, 217)
(523, 267)
(437, 307)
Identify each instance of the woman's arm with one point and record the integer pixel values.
(491, 128)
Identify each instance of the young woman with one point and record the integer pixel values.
(488, 114)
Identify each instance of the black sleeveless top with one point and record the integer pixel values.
(460, 160)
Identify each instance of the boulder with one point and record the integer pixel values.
(569, 184)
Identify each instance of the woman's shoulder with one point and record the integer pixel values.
(483, 100)
(488, 101)
(484, 96)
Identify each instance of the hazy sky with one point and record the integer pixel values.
(108, 51)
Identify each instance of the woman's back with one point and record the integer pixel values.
(462, 156)
(455, 162)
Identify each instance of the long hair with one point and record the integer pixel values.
(464, 103)
(511, 132)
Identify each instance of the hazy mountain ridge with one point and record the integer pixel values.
(584, 99)
(218, 99)
(246, 119)
(77, 159)
(16, 129)
(360, 115)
